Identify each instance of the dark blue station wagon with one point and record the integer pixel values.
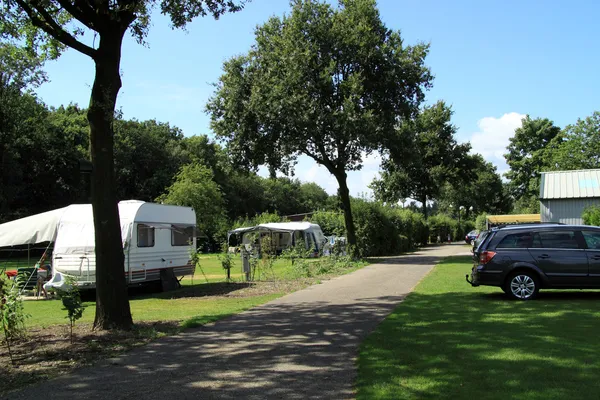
(524, 259)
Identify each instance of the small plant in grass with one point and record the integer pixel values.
(226, 259)
(71, 300)
(195, 260)
(299, 255)
(11, 312)
(268, 256)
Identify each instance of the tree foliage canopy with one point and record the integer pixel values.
(578, 146)
(328, 83)
(527, 154)
(426, 156)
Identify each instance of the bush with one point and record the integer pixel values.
(591, 216)
(410, 224)
(376, 234)
(331, 222)
(380, 230)
(481, 222)
(440, 226)
(263, 218)
(464, 228)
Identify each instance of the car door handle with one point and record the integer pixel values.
(596, 258)
(543, 256)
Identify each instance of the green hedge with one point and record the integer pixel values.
(380, 230)
(442, 225)
(591, 216)
(481, 222)
(331, 222)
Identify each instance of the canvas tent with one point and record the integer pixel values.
(37, 228)
(282, 235)
(155, 237)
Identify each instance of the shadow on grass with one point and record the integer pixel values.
(153, 290)
(291, 351)
(482, 345)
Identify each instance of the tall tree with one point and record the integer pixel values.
(328, 83)
(57, 24)
(148, 155)
(577, 147)
(194, 187)
(527, 157)
(424, 157)
(482, 190)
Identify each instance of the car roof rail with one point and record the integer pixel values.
(526, 225)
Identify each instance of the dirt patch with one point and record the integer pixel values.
(48, 352)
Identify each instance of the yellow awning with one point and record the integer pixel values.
(514, 219)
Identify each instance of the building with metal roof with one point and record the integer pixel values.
(565, 194)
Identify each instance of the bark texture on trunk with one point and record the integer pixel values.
(112, 302)
(424, 201)
(345, 199)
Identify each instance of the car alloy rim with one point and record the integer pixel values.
(522, 286)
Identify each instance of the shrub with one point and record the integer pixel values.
(376, 235)
(331, 222)
(71, 300)
(480, 222)
(410, 224)
(12, 314)
(263, 218)
(440, 226)
(591, 216)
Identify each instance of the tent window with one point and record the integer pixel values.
(145, 236)
(182, 236)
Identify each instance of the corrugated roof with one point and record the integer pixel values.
(570, 184)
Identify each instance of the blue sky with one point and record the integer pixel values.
(493, 61)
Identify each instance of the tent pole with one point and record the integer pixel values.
(28, 256)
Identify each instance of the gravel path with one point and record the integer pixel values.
(301, 346)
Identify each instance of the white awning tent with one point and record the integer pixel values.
(278, 227)
(34, 229)
(310, 233)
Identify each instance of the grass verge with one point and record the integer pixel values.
(448, 340)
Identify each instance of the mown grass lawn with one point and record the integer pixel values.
(450, 341)
(192, 311)
(203, 298)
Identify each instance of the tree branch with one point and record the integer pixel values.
(51, 27)
(82, 12)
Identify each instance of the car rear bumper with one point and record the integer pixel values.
(479, 276)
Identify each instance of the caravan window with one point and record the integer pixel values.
(145, 236)
(182, 235)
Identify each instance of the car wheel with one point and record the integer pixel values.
(522, 285)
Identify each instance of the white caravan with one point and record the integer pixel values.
(155, 237)
(283, 235)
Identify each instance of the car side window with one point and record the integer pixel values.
(521, 240)
(537, 241)
(558, 239)
(592, 239)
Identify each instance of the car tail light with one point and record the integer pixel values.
(486, 257)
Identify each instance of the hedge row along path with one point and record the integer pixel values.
(300, 346)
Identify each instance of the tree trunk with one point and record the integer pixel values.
(112, 303)
(424, 201)
(345, 199)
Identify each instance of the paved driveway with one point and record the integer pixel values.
(301, 346)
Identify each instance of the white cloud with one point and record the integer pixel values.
(493, 138)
